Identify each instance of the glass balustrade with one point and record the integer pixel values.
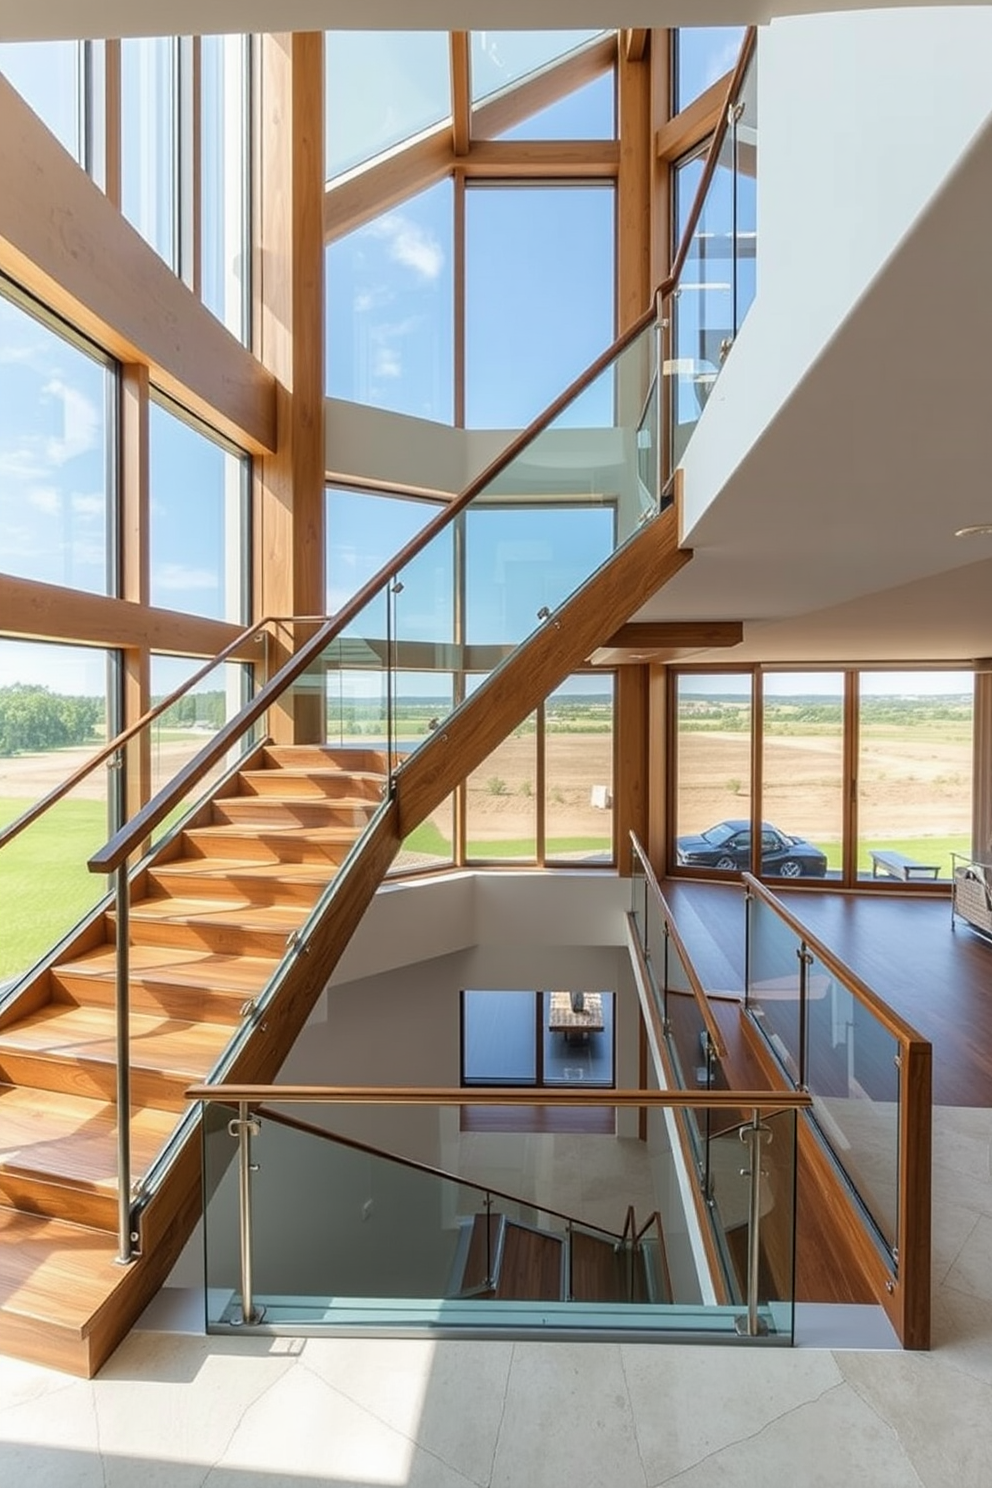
(310, 1226)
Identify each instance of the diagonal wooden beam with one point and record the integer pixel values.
(461, 100)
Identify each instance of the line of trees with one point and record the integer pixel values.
(34, 718)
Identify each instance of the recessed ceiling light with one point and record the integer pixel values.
(982, 529)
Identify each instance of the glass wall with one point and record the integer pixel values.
(914, 772)
(149, 141)
(49, 76)
(224, 172)
(539, 298)
(390, 322)
(578, 771)
(363, 531)
(56, 706)
(713, 771)
(501, 801)
(700, 56)
(501, 58)
(198, 540)
(803, 763)
(381, 88)
(587, 114)
(57, 441)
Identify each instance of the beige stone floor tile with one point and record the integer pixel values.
(52, 1439)
(972, 1268)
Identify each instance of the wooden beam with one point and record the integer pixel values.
(636, 44)
(694, 124)
(112, 120)
(35, 611)
(517, 160)
(524, 99)
(289, 507)
(634, 283)
(461, 102)
(365, 192)
(65, 242)
(541, 664)
(647, 635)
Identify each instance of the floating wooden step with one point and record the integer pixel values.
(263, 812)
(73, 1049)
(259, 883)
(530, 1265)
(228, 927)
(598, 1269)
(325, 757)
(58, 1153)
(300, 785)
(272, 845)
(177, 982)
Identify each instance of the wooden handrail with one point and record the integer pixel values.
(124, 842)
(310, 1129)
(698, 990)
(445, 1095)
(890, 1020)
(14, 828)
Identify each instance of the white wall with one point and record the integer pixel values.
(861, 117)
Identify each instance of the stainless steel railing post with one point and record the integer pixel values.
(125, 1244)
(245, 1126)
(750, 1325)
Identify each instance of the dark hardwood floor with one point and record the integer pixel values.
(902, 945)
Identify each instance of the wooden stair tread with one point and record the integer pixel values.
(177, 964)
(54, 1271)
(239, 868)
(278, 830)
(66, 1032)
(73, 1140)
(242, 912)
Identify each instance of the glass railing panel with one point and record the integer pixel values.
(45, 884)
(343, 698)
(773, 984)
(745, 146)
(178, 734)
(732, 1204)
(639, 900)
(853, 1077)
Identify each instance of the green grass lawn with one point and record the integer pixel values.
(45, 885)
(924, 849)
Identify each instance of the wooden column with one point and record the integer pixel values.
(661, 767)
(661, 228)
(630, 772)
(289, 321)
(634, 283)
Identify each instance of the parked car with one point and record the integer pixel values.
(728, 845)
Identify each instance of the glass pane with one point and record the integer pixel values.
(56, 453)
(432, 844)
(702, 55)
(703, 304)
(381, 87)
(746, 194)
(499, 58)
(588, 113)
(198, 514)
(499, 1038)
(539, 298)
(53, 717)
(149, 193)
(365, 529)
(803, 774)
(224, 179)
(914, 773)
(713, 804)
(47, 76)
(501, 800)
(578, 1039)
(773, 983)
(729, 1166)
(520, 559)
(389, 295)
(854, 1081)
(578, 771)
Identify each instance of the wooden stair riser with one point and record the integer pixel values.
(89, 1077)
(94, 1208)
(205, 878)
(260, 812)
(315, 785)
(320, 757)
(274, 847)
(170, 999)
(204, 935)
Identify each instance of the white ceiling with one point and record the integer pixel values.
(834, 538)
(62, 18)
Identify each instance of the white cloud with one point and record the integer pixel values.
(388, 362)
(89, 506)
(174, 576)
(410, 245)
(45, 499)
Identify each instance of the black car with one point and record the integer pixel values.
(728, 845)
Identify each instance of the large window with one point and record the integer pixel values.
(57, 440)
(381, 88)
(502, 58)
(539, 297)
(702, 55)
(224, 175)
(803, 765)
(48, 76)
(149, 141)
(198, 540)
(713, 771)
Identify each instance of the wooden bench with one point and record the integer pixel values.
(898, 865)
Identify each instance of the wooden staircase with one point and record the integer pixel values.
(525, 1262)
(208, 928)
